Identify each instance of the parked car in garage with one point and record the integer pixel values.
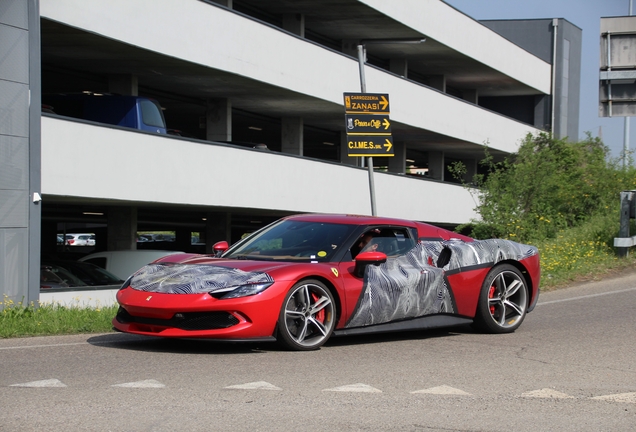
(53, 276)
(89, 274)
(134, 112)
(123, 263)
(82, 239)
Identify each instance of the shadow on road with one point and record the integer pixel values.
(405, 335)
(203, 346)
(186, 346)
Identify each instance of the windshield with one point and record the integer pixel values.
(290, 240)
(151, 114)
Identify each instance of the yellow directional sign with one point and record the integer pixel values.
(367, 124)
(360, 145)
(377, 103)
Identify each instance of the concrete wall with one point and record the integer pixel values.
(617, 86)
(434, 18)
(275, 57)
(19, 151)
(80, 299)
(536, 36)
(267, 180)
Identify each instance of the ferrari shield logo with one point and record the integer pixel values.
(148, 298)
(335, 271)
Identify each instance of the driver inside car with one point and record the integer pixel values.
(365, 243)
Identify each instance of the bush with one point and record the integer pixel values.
(560, 196)
(547, 187)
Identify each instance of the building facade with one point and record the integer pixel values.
(252, 92)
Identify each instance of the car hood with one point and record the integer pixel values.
(242, 264)
(195, 276)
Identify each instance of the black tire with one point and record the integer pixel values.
(308, 316)
(503, 300)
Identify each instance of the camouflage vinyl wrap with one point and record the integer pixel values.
(403, 287)
(193, 279)
(479, 252)
(412, 286)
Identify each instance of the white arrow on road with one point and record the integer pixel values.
(42, 383)
(443, 390)
(359, 388)
(258, 385)
(141, 384)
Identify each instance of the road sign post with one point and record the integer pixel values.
(368, 129)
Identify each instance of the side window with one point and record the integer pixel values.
(151, 114)
(390, 241)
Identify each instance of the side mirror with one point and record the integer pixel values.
(220, 247)
(368, 258)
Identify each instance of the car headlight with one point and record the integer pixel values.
(241, 290)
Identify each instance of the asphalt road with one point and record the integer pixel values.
(570, 367)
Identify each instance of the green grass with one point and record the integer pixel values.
(581, 253)
(19, 320)
(564, 262)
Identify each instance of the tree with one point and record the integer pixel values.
(547, 186)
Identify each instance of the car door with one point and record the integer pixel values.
(405, 286)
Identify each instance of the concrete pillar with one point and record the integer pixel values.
(397, 163)
(122, 228)
(123, 84)
(218, 120)
(438, 82)
(101, 238)
(294, 23)
(218, 227)
(48, 238)
(436, 165)
(183, 239)
(399, 66)
(471, 95)
(292, 135)
(542, 112)
(471, 169)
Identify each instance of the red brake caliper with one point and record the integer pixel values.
(320, 316)
(491, 294)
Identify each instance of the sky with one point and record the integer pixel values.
(585, 14)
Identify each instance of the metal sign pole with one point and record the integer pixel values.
(363, 88)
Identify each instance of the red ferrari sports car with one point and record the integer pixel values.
(305, 278)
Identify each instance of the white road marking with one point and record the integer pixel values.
(586, 296)
(141, 384)
(358, 388)
(43, 346)
(43, 383)
(63, 344)
(622, 397)
(547, 393)
(258, 385)
(443, 390)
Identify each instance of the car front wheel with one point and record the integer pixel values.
(503, 300)
(307, 317)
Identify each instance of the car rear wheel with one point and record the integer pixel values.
(307, 317)
(503, 300)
